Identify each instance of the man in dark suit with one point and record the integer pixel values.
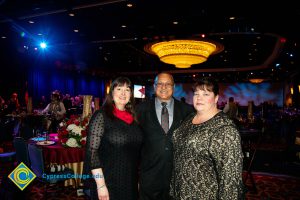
(157, 152)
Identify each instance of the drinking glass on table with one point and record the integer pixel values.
(45, 135)
(37, 133)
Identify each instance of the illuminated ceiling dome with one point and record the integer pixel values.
(184, 53)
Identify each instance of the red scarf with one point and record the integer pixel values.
(123, 115)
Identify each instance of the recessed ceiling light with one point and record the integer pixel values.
(31, 22)
(3, 37)
(76, 30)
(129, 5)
(71, 14)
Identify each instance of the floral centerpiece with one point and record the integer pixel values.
(72, 131)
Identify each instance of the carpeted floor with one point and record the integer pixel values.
(269, 186)
(275, 187)
(275, 177)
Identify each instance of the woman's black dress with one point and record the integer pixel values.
(114, 146)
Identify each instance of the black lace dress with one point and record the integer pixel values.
(114, 146)
(208, 160)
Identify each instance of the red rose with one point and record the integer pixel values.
(85, 121)
(76, 122)
(73, 117)
(83, 133)
(83, 142)
(64, 132)
(64, 140)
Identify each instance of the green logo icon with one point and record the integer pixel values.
(21, 176)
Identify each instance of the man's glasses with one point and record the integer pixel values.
(167, 85)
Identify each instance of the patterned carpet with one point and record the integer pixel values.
(274, 180)
(35, 191)
(269, 186)
(273, 187)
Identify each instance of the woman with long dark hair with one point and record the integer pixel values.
(113, 146)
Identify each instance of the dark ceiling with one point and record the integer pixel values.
(261, 40)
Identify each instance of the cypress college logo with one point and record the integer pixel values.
(21, 176)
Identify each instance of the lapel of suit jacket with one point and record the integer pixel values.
(176, 116)
(153, 114)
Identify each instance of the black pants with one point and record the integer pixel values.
(150, 194)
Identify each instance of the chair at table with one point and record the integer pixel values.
(8, 158)
(38, 168)
(21, 148)
(251, 139)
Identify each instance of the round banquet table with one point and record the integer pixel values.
(71, 157)
(59, 154)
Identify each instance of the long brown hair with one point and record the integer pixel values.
(108, 105)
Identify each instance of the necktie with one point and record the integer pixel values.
(164, 117)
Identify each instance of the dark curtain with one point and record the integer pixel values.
(43, 82)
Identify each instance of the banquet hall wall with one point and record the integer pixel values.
(37, 81)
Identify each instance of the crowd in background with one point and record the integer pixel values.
(15, 120)
(12, 106)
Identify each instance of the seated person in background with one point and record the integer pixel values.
(231, 109)
(68, 104)
(43, 102)
(2, 106)
(55, 110)
(78, 104)
(13, 105)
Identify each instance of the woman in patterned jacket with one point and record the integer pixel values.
(208, 158)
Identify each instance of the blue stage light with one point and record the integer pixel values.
(43, 45)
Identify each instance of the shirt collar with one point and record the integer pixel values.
(169, 103)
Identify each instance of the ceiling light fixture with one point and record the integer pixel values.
(184, 53)
(256, 80)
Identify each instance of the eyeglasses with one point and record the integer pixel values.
(167, 85)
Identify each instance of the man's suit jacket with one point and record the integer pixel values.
(157, 152)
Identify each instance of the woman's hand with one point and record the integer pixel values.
(103, 193)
